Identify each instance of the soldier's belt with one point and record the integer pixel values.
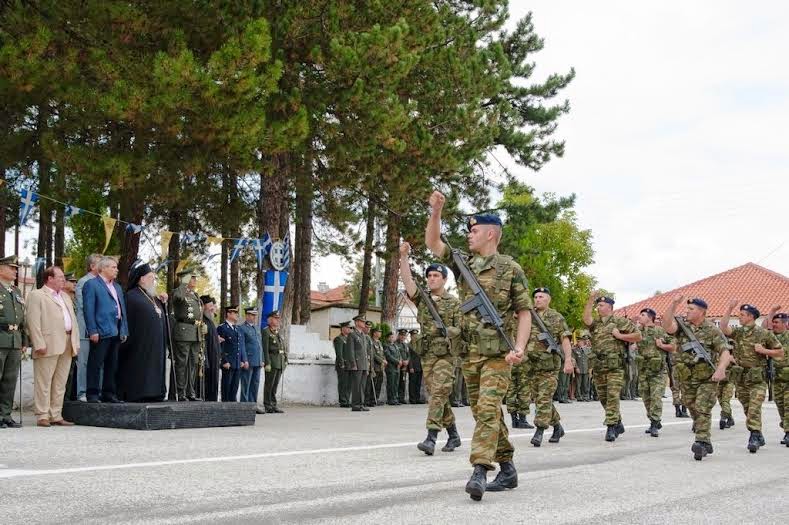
(9, 327)
(187, 321)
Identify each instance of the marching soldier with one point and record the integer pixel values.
(753, 345)
(779, 323)
(697, 378)
(651, 360)
(610, 336)
(392, 355)
(343, 373)
(275, 356)
(357, 357)
(436, 348)
(545, 365)
(187, 333)
(489, 359)
(12, 321)
(378, 367)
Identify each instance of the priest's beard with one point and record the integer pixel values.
(150, 290)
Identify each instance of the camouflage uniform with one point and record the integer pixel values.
(676, 392)
(748, 373)
(651, 362)
(518, 396)
(695, 378)
(608, 363)
(725, 395)
(486, 372)
(437, 360)
(781, 384)
(544, 367)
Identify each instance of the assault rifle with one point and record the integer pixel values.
(545, 336)
(480, 302)
(431, 307)
(694, 345)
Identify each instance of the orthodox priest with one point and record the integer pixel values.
(212, 349)
(142, 358)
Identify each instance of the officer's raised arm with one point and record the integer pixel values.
(433, 231)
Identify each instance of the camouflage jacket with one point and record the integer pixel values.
(538, 355)
(505, 284)
(650, 357)
(708, 335)
(745, 337)
(429, 341)
(603, 340)
(783, 338)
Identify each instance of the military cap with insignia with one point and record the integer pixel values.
(436, 267)
(186, 272)
(251, 310)
(231, 309)
(541, 290)
(649, 311)
(484, 218)
(11, 260)
(275, 313)
(345, 324)
(368, 323)
(402, 331)
(697, 301)
(751, 310)
(360, 317)
(376, 329)
(605, 299)
(414, 331)
(781, 315)
(70, 277)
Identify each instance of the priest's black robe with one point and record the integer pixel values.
(142, 358)
(211, 361)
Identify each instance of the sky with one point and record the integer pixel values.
(676, 144)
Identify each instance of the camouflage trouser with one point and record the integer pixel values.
(699, 397)
(751, 394)
(439, 374)
(676, 395)
(725, 393)
(608, 384)
(781, 396)
(651, 388)
(518, 394)
(487, 380)
(543, 385)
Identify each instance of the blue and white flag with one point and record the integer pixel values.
(262, 247)
(134, 228)
(70, 211)
(27, 198)
(273, 291)
(39, 265)
(286, 253)
(237, 247)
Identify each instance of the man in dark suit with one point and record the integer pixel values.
(250, 376)
(104, 308)
(357, 355)
(234, 355)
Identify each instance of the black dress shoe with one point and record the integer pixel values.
(278, 410)
(3, 425)
(259, 411)
(10, 423)
(112, 399)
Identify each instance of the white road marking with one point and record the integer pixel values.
(18, 473)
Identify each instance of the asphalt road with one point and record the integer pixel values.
(329, 465)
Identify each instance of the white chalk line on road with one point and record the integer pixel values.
(18, 473)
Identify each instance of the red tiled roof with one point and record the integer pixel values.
(749, 283)
(341, 294)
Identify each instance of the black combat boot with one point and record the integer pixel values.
(428, 446)
(753, 442)
(729, 422)
(610, 434)
(785, 440)
(524, 423)
(709, 448)
(685, 411)
(653, 429)
(699, 449)
(478, 483)
(678, 410)
(722, 423)
(507, 478)
(619, 428)
(454, 439)
(516, 420)
(760, 437)
(536, 439)
(558, 433)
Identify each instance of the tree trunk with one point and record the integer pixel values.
(223, 279)
(364, 293)
(391, 270)
(174, 249)
(302, 252)
(131, 209)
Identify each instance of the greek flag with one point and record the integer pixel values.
(262, 246)
(237, 247)
(70, 211)
(286, 255)
(134, 228)
(27, 198)
(273, 291)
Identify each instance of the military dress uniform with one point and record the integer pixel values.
(275, 355)
(437, 356)
(357, 357)
(12, 321)
(543, 372)
(652, 369)
(392, 355)
(781, 384)
(485, 369)
(608, 365)
(187, 334)
(374, 387)
(415, 377)
(402, 385)
(749, 373)
(233, 354)
(695, 378)
(343, 374)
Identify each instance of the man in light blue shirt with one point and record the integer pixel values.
(92, 263)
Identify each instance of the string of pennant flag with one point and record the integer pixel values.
(279, 252)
